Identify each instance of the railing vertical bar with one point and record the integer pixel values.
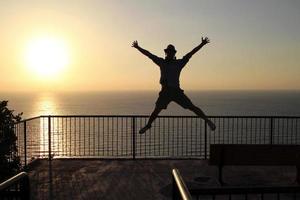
(98, 136)
(73, 135)
(161, 136)
(122, 135)
(236, 136)
(260, 130)
(117, 136)
(106, 143)
(223, 129)
(80, 136)
(49, 138)
(251, 131)
(228, 128)
(278, 130)
(168, 136)
(89, 132)
(150, 140)
(182, 153)
(191, 138)
(133, 137)
(126, 140)
(246, 130)
(63, 136)
(271, 130)
(283, 132)
(112, 136)
(287, 131)
(265, 131)
(59, 143)
(175, 139)
(219, 132)
(103, 136)
(213, 138)
(70, 124)
(94, 137)
(296, 132)
(25, 144)
(186, 135)
(205, 140)
(66, 135)
(77, 132)
(156, 134)
(196, 137)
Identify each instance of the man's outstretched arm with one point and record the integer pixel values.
(190, 54)
(145, 52)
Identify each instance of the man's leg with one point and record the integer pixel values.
(186, 103)
(201, 114)
(152, 117)
(161, 103)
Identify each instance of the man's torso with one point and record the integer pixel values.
(170, 72)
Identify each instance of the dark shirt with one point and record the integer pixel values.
(170, 70)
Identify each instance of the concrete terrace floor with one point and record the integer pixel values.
(139, 179)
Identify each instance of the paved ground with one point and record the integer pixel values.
(139, 179)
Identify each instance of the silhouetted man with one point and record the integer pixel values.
(170, 69)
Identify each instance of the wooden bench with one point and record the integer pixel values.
(248, 154)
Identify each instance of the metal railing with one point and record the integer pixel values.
(247, 192)
(15, 188)
(171, 137)
(180, 191)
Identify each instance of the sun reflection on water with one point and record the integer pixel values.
(46, 105)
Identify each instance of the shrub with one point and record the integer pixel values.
(9, 160)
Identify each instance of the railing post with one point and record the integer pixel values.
(25, 145)
(174, 189)
(133, 137)
(49, 137)
(25, 188)
(205, 140)
(271, 130)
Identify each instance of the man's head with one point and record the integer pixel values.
(170, 51)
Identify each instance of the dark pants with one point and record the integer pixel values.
(168, 94)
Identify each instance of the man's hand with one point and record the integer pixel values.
(205, 40)
(135, 44)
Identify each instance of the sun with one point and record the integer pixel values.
(47, 57)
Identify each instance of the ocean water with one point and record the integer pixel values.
(280, 103)
(168, 137)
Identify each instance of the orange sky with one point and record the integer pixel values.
(254, 44)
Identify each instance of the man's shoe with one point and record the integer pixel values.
(143, 130)
(211, 125)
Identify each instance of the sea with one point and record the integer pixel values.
(241, 103)
(168, 137)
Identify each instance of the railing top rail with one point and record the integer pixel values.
(184, 192)
(12, 180)
(29, 119)
(173, 116)
(245, 190)
(162, 116)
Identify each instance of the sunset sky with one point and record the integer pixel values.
(254, 44)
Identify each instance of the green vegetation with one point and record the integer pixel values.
(9, 160)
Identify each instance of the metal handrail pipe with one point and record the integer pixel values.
(12, 180)
(182, 188)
